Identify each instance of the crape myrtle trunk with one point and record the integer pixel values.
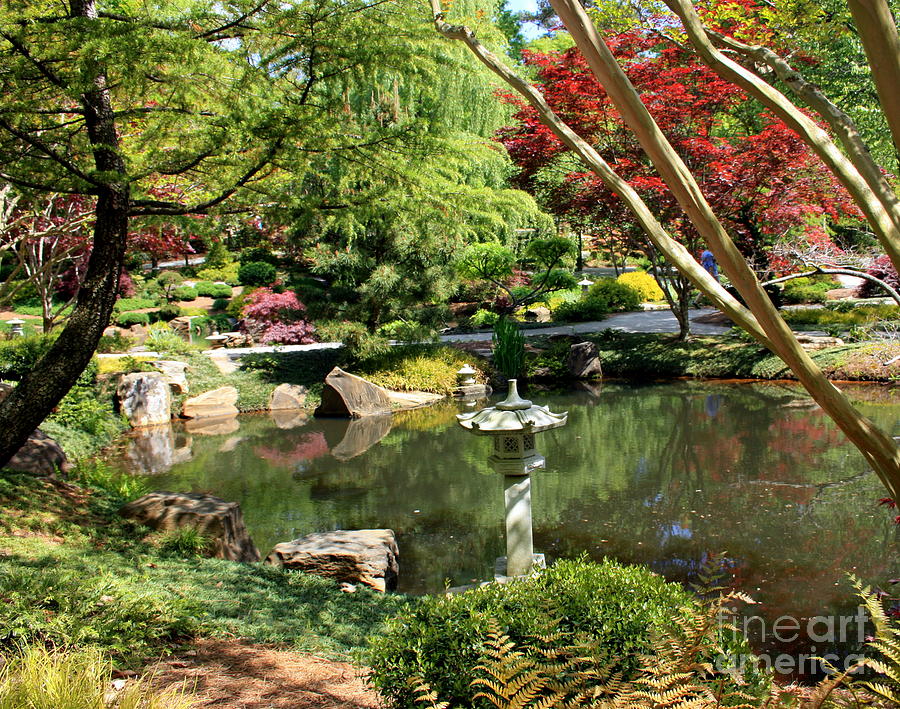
(43, 388)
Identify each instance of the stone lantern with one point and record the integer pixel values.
(465, 377)
(216, 340)
(513, 424)
(585, 283)
(15, 327)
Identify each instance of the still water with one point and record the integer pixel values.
(660, 475)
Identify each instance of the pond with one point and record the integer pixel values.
(660, 475)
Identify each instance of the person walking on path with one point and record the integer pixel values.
(708, 261)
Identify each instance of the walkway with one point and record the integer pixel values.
(655, 321)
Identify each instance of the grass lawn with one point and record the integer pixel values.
(72, 573)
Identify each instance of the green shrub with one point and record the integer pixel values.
(209, 289)
(117, 342)
(583, 310)
(812, 289)
(442, 639)
(646, 286)
(256, 273)
(227, 273)
(129, 319)
(357, 338)
(169, 311)
(221, 303)
(509, 348)
(19, 354)
(416, 367)
(236, 308)
(258, 254)
(619, 297)
(125, 304)
(208, 323)
(185, 293)
(483, 318)
(161, 338)
(38, 678)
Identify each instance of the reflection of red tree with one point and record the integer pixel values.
(310, 446)
(796, 440)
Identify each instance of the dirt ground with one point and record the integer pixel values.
(230, 674)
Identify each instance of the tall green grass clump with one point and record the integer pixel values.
(509, 348)
(75, 679)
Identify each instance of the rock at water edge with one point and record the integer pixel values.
(218, 402)
(211, 516)
(347, 395)
(583, 361)
(144, 398)
(366, 556)
(287, 396)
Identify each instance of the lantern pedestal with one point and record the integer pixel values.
(512, 424)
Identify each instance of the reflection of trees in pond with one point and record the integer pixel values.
(663, 473)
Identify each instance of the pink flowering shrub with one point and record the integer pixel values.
(276, 318)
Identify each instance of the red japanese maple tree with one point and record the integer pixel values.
(761, 179)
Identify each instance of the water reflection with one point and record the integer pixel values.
(660, 475)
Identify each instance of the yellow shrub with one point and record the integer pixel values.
(643, 283)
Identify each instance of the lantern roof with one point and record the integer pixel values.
(585, 282)
(513, 414)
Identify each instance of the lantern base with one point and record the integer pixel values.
(539, 562)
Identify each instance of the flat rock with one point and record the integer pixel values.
(347, 395)
(144, 398)
(583, 361)
(818, 342)
(213, 517)
(287, 396)
(218, 402)
(174, 373)
(538, 314)
(366, 556)
(405, 400)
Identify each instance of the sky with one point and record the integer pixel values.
(530, 30)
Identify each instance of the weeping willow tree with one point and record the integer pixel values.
(386, 231)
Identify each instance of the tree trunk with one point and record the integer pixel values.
(56, 372)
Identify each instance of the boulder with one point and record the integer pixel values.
(213, 517)
(366, 556)
(144, 398)
(818, 342)
(40, 455)
(287, 396)
(406, 400)
(174, 374)
(538, 314)
(218, 402)
(347, 395)
(583, 361)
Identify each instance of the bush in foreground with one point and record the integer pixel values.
(444, 638)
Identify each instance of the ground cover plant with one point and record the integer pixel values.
(74, 575)
(430, 368)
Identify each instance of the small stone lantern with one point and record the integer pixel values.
(585, 283)
(15, 327)
(465, 377)
(513, 424)
(216, 340)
